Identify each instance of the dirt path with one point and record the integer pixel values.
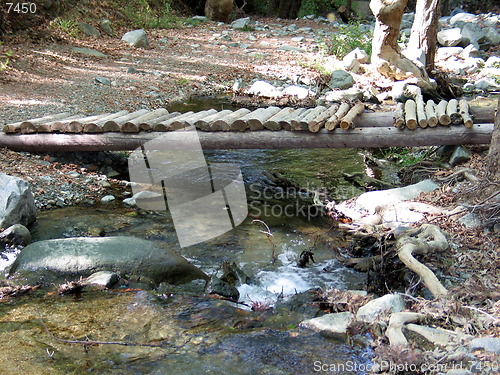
(48, 77)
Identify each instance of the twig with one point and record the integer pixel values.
(495, 320)
(88, 343)
(268, 233)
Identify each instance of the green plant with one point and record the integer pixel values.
(347, 38)
(6, 56)
(143, 15)
(315, 7)
(404, 156)
(69, 27)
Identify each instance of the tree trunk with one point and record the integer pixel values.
(386, 56)
(424, 30)
(288, 9)
(493, 160)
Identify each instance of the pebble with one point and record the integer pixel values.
(107, 198)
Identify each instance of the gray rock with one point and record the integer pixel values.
(136, 38)
(297, 91)
(103, 81)
(336, 324)
(103, 278)
(89, 29)
(107, 198)
(487, 84)
(130, 202)
(458, 371)
(380, 308)
(450, 37)
(470, 52)
(492, 36)
(471, 221)
(402, 90)
(340, 79)
(199, 18)
(369, 201)
(351, 94)
(105, 26)
(287, 47)
(461, 18)
(460, 155)
(17, 205)
(241, 23)
(64, 259)
(222, 288)
(471, 34)
(490, 344)
(492, 62)
(16, 235)
(87, 52)
(351, 64)
(437, 336)
(444, 52)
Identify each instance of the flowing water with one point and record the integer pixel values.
(204, 335)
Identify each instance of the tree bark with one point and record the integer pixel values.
(493, 160)
(386, 55)
(424, 30)
(288, 9)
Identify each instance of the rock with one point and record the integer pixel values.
(351, 94)
(199, 18)
(263, 88)
(471, 221)
(461, 18)
(450, 37)
(89, 29)
(87, 52)
(380, 308)
(71, 258)
(17, 205)
(103, 278)
(286, 47)
(222, 288)
(130, 202)
(460, 155)
(492, 62)
(437, 336)
(241, 23)
(444, 52)
(336, 324)
(471, 34)
(360, 55)
(402, 90)
(103, 81)
(136, 38)
(351, 64)
(487, 84)
(492, 36)
(470, 52)
(489, 344)
(416, 55)
(371, 200)
(340, 79)
(458, 371)
(106, 27)
(297, 91)
(16, 235)
(107, 198)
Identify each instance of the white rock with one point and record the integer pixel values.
(380, 308)
(462, 17)
(416, 55)
(331, 323)
(487, 84)
(438, 336)
(263, 88)
(492, 62)
(130, 202)
(470, 51)
(359, 55)
(136, 38)
(490, 344)
(107, 198)
(492, 36)
(241, 23)
(146, 194)
(299, 92)
(450, 37)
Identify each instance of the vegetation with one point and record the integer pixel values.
(5, 59)
(347, 38)
(144, 15)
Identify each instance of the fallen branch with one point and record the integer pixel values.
(425, 239)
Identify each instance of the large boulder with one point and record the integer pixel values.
(133, 258)
(17, 205)
(136, 38)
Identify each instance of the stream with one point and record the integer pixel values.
(199, 334)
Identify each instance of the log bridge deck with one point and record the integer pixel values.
(240, 129)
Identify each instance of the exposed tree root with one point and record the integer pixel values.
(394, 331)
(423, 240)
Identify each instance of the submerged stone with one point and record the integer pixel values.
(67, 258)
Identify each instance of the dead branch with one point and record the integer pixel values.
(396, 322)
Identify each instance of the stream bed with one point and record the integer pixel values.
(187, 331)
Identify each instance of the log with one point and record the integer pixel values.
(399, 120)
(411, 114)
(260, 116)
(297, 123)
(97, 126)
(443, 118)
(274, 122)
(310, 116)
(142, 122)
(299, 112)
(421, 116)
(452, 112)
(430, 112)
(124, 122)
(205, 123)
(387, 136)
(316, 124)
(333, 121)
(464, 113)
(30, 124)
(167, 123)
(181, 123)
(61, 126)
(348, 120)
(159, 125)
(226, 123)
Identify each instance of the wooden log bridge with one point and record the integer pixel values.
(241, 129)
